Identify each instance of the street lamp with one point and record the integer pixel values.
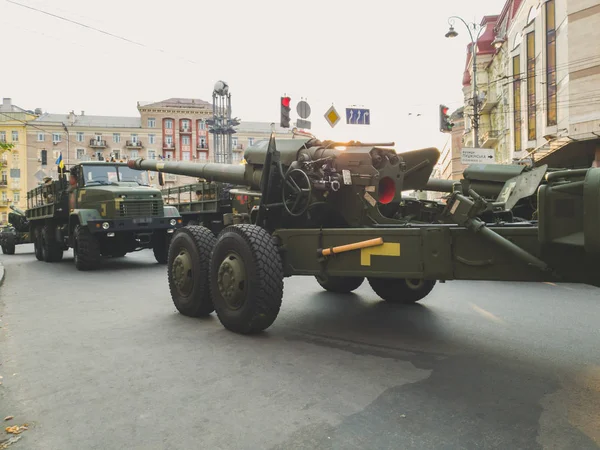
(452, 34)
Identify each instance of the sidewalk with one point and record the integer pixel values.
(1, 274)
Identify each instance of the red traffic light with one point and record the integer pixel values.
(445, 110)
(285, 101)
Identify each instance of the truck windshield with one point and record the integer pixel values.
(107, 174)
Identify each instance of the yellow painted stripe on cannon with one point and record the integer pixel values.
(387, 249)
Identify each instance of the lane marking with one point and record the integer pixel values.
(488, 315)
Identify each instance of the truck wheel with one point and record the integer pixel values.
(188, 268)
(401, 290)
(37, 243)
(342, 285)
(86, 252)
(9, 248)
(246, 279)
(161, 247)
(51, 248)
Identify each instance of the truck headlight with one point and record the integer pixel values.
(173, 222)
(106, 225)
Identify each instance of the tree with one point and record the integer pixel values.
(5, 147)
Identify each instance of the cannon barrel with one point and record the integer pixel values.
(224, 173)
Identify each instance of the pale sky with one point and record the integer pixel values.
(388, 56)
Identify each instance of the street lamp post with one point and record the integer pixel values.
(451, 34)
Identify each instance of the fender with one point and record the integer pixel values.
(83, 216)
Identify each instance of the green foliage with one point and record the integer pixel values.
(5, 147)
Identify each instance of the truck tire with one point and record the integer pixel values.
(161, 247)
(188, 269)
(37, 243)
(8, 248)
(246, 279)
(342, 285)
(86, 253)
(401, 290)
(51, 248)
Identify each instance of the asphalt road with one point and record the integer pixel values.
(102, 360)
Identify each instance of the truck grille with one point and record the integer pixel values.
(142, 208)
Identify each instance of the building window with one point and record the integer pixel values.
(202, 156)
(551, 62)
(151, 139)
(517, 101)
(250, 142)
(116, 138)
(185, 156)
(56, 137)
(40, 137)
(234, 142)
(15, 136)
(168, 124)
(531, 116)
(15, 157)
(16, 197)
(151, 154)
(134, 138)
(4, 196)
(2, 136)
(79, 136)
(80, 153)
(185, 140)
(201, 125)
(185, 125)
(169, 140)
(151, 123)
(133, 154)
(203, 142)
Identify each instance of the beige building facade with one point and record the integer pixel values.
(174, 129)
(538, 83)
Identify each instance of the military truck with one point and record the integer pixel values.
(16, 232)
(336, 211)
(205, 203)
(101, 209)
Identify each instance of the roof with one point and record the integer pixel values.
(259, 127)
(90, 121)
(179, 103)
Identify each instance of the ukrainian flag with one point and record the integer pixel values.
(59, 162)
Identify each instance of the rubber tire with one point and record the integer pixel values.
(340, 285)
(397, 290)
(9, 247)
(264, 275)
(51, 248)
(86, 253)
(161, 247)
(199, 242)
(37, 243)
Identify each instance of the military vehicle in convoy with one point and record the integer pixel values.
(16, 232)
(339, 214)
(101, 209)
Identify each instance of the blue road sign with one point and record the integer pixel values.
(358, 116)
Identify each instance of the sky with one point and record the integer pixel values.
(389, 56)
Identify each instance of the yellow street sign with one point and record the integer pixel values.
(332, 116)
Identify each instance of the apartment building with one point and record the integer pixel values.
(538, 79)
(13, 163)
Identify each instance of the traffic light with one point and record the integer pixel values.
(44, 155)
(445, 122)
(285, 112)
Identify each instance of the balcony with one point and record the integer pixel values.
(133, 144)
(489, 139)
(490, 100)
(185, 130)
(3, 183)
(168, 146)
(97, 143)
(202, 146)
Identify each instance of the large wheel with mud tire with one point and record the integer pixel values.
(246, 279)
(51, 248)
(86, 253)
(188, 270)
(160, 247)
(342, 285)
(37, 243)
(8, 248)
(401, 290)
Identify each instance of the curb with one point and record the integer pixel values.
(2, 272)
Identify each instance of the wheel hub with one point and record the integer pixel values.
(414, 283)
(231, 279)
(182, 272)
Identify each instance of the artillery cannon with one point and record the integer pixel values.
(341, 216)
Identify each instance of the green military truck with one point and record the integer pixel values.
(208, 203)
(16, 232)
(99, 209)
